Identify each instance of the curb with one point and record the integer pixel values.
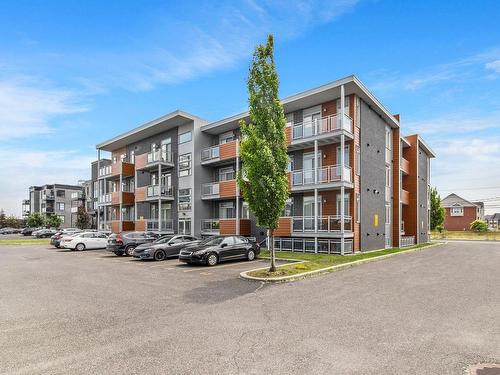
(337, 267)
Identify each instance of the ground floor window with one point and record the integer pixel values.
(184, 226)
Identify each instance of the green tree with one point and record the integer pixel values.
(53, 221)
(35, 220)
(2, 218)
(437, 211)
(82, 218)
(263, 178)
(12, 222)
(479, 226)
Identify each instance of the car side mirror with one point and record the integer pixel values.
(223, 245)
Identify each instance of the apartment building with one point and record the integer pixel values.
(356, 183)
(52, 199)
(460, 213)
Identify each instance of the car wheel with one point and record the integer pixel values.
(159, 255)
(251, 254)
(130, 250)
(212, 259)
(119, 253)
(80, 247)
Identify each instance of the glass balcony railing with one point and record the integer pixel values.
(327, 174)
(328, 124)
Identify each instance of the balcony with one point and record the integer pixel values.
(127, 225)
(105, 171)
(152, 225)
(115, 170)
(405, 166)
(154, 192)
(328, 177)
(78, 195)
(123, 197)
(153, 159)
(49, 197)
(303, 245)
(219, 154)
(105, 199)
(225, 227)
(26, 202)
(304, 225)
(219, 190)
(324, 130)
(405, 197)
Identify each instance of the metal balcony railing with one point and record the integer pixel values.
(210, 153)
(327, 224)
(105, 198)
(209, 189)
(156, 191)
(323, 125)
(166, 225)
(210, 226)
(407, 241)
(159, 156)
(327, 174)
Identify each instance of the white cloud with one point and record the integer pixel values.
(447, 125)
(27, 106)
(494, 65)
(22, 168)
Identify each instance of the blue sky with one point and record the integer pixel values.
(75, 73)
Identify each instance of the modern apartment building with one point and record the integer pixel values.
(53, 199)
(356, 183)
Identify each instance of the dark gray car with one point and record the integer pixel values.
(165, 247)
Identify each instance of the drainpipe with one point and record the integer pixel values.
(98, 188)
(342, 162)
(121, 197)
(237, 189)
(316, 166)
(159, 198)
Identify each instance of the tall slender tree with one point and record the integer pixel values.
(82, 218)
(263, 178)
(437, 211)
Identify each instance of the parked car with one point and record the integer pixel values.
(29, 231)
(8, 230)
(44, 233)
(219, 248)
(124, 243)
(163, 248)
(85, 240)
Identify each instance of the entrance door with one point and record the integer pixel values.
(184, 226)
(308, 212)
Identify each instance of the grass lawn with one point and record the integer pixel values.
(27, 241)
(318, 261)
(461, 235)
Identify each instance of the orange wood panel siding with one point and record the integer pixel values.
(405, 166)
(227, 189)
(288, 135)
(396, 175)
(410, 183)
(284, 227)
(115, 226)
(141, 161)
(128, 198)
(227, 150)
(128, 225)
(140, 225)
(140, 193)
(329, 108)
(228, 226)
(405, 197)
(128, 169)
(115, 197)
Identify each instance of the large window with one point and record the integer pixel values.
(184, 165)
(457, 211)
(226, 174)
(60, 206)
(185, 137)
(227, 210)
(60, 193)
(184, 199)
(226, 138)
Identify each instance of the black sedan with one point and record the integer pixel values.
(163, 248)
(219, 248)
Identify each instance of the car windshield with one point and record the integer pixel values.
(163, 240)
(212, 241)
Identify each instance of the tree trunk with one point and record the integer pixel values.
(271, 250)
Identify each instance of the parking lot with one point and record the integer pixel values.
(430, 312)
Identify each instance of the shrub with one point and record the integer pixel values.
(479, 226)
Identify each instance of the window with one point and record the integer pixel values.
(245, 211)
(185, 137)
(132, 156)
(346, 204)
(185, 226)
(62, 218)
(290, 163)
(226, 174)
(228, 241)
(185, 165)
(358, 207)
(60, 206)
(184, 200)
(358, 161)
(226, 138)
(457, 211)
(60, 193)
(289, 119)
(226, 210)
(288, 211)
(346, 105)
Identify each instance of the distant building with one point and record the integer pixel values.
(53, 199)
(460, 213)
(493, 220)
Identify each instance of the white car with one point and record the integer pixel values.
(85, 240)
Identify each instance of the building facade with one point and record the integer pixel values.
(460, 213)
(356, 184)
(53, 199)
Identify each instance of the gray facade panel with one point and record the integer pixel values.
(423, 183)
(372, 142)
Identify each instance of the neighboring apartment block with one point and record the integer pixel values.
(53, 199)
(460, 213)
(355, 182)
